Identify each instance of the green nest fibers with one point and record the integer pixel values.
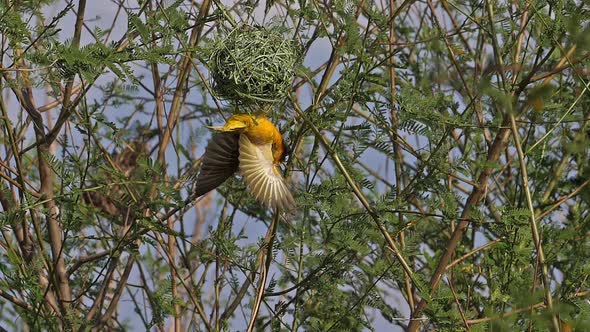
(253, 65)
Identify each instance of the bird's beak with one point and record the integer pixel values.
(217, 128)
(230, 126)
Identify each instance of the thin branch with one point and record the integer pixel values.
(461, 312)
(90, 258)
(264, 268)
(473, 252)
(565, 198)
(118, 291)
(16, 301)
(399, 159)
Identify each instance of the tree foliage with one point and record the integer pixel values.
(440, 163)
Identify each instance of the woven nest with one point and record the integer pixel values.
(253, 65)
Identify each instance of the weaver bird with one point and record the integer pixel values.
(255, 147)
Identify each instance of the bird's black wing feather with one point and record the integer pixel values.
(220, 161)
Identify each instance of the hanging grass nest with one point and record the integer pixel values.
(253, 65)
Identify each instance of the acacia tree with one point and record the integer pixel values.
(439, 163)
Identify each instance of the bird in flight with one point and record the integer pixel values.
(252, 145)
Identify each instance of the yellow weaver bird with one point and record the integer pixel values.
(255, 147)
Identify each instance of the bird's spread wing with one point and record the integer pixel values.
(219, 162)
(262, 176)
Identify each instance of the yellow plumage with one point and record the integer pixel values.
(254, 146)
